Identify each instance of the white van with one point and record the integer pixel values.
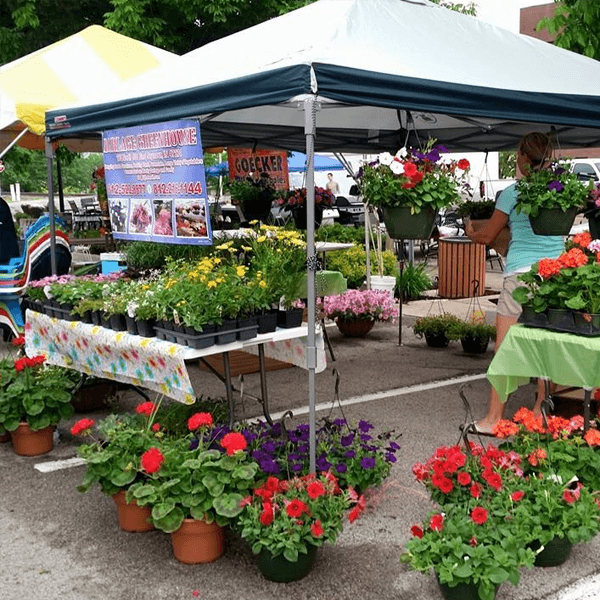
(586, 168)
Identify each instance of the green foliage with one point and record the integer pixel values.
(173, 416)
(468, 8)
(507, 164)
(341, 234)
(463, 329)
(150, 255)
(576, 25)
(34, 393)
(203, 483)
(352, 264)
(413, 282)
(436, 324)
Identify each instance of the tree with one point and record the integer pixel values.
(468, 9)
(576, 25)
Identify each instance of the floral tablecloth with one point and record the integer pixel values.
(150, 363)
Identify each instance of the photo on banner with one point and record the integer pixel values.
(156, 183)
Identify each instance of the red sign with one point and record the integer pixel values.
(1, 166)
(244, 163)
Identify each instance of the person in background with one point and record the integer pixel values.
(534, 152)
(332, 185)
(9, 244)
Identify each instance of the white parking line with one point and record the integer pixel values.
(587, 588)
(48, 467)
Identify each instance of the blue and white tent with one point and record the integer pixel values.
(361, 76)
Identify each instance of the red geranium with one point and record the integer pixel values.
(416, 531)
(82, 426)
(233, 442)
(146, 408)
(464, 164)
(267, 515)
(476, 490)
(436, 522)
(517, 496)
(317, 529)
(573, 258)
(152, 460)
(19, 341)
(295, 508)
(547, 267)
(479, 515)
(315, 489)
(202, 419)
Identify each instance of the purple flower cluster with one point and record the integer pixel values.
(353, 454)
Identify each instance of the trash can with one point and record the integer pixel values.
(461, 268)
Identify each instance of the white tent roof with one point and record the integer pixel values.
(380, 68)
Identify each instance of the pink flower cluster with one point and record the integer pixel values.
(373, 305)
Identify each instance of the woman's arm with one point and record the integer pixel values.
(488, 232)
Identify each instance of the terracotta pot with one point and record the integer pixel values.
(354, 327)
(131, 517)
(197, 542)
(4, 437)
(32, 443)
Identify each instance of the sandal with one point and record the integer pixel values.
(474, 429)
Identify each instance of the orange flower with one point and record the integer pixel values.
(505, 428)
(592, 437)
(573, 258)
(582, 239)
(548, 267)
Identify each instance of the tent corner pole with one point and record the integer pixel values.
(49, 158)
(310, 125)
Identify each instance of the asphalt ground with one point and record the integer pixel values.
(59, 544)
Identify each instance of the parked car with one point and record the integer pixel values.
(586, 168)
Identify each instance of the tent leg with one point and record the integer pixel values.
(49, 157)
(59, 181)
(310, 121)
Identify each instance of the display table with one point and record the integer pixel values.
(151, 363)
(564, 358)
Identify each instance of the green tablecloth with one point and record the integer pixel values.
(564, 358)
(329, 283)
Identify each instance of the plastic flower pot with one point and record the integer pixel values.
(26, 442)
(290, 318)
(131, 325)
(533, 319)
(197, 542)
(226, 332)
(561, 319)
(401, 224)
(131, 517)
(437, 340)
(117, 322)
(280, 569)
(553, 221)
(555, 552)
(587, 324)
(472, 344)
(267, 322)
(462, 591)
(247, 328)
(145, 328)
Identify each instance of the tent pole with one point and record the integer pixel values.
(59, 181)
(310, 122)
(3, 152)
(49, 157)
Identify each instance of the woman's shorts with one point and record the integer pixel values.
(507, 305)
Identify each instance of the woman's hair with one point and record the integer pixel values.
(537, 147)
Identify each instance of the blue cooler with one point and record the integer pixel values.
(112, 261)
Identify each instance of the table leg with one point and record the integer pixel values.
(228, 386)
(587, 398)
(263, 384)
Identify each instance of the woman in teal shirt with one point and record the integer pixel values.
(534, 152)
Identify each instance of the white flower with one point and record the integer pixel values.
(385, 158)
(402, 153)
(397, 168)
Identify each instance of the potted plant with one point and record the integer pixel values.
(356, 311)
(286, 521)
(295, 200)
(474, 335)
(436, 329)
(551, 198)
(352, 264)
(561, 293)
(195, 486)
(34, 397)
(112, 459)
(412, 281)
(411, 187)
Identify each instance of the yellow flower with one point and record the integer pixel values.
(262, 283)
(224, 246)
(212, 284)
(261, 238)
(240, 270)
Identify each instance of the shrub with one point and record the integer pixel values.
(352, 264)
(414, 281)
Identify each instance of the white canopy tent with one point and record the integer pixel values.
(361, 76)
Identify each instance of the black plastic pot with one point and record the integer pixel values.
(437, 340)
(473, 344)
(247, 328)
(267, 322)
(290, 318)
(226, 332)
(117, 322)
(145, 328)
(131, 325)
(553, 221)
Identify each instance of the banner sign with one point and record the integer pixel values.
(156, 184)
(244, 163)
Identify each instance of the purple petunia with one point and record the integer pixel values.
(298, 467)
(350, 454)
(390, 457)
(442, 149)
(555, 185)
(346, 440)
(365, 437)
(341, 468)
(367, 462)
(393, 446)
(433, 155)
(269, 447)
(323, 464)
(365, 426)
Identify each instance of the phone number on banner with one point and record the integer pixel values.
(193, 188)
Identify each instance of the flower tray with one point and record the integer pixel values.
(64, 314)
(564, 321)
(199, 341)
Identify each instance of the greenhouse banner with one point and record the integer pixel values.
(244, 163)
(156, 184)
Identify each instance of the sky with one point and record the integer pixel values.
(504, 13)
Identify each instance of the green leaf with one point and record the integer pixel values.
(291, 554)
(33, 406)
(160, 511)
(123, 478)
(228, 505)
(170, 522)
(498, 575)
(144, 491)
(213, 485)
(464, 570)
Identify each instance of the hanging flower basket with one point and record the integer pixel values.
(553, 221)
(354, 327)
(402, 224)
